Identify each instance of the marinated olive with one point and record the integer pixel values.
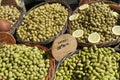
(96, 17)
(43, 22)
(91, 63)
(20, 62)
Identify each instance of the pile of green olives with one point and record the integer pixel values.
(96, 17)
(43, 22)
(9, 13)
(91, 63)
(21, 62)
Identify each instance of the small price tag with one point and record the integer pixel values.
(6, 38)
(63, 45)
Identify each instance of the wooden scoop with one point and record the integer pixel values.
(6, 38)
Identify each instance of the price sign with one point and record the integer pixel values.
(63, 45)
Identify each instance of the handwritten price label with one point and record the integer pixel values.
(63, 45)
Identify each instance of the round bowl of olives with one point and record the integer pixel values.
(43, 23)
(12, 14)
(90, 63)
(25, 62)
(96, 23)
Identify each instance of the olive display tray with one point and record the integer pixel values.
(18, 21)
(52, 60)
(57, 64)
(113, 5)
(52, 38)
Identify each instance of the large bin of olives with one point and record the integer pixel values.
(25, 62)
(96, 23)
(90, 63)
(43, 23)
(12, 13)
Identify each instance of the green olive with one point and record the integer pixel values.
(91, 63)
(20, 62)
(96, 18)
(46, 20)
(10, 13)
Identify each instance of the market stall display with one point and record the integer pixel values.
(90, 63)
(11, 12)
(43, 23)
(95, 17)
(24, 62)
(79, 44)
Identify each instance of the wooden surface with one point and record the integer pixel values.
(10, 2)
(6, 38)
(63, 45)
